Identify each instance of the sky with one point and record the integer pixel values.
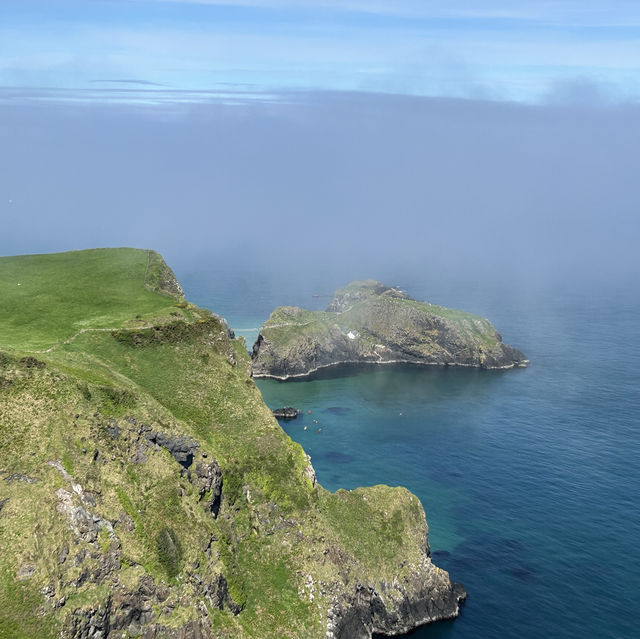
(477, 137)
(524, 50)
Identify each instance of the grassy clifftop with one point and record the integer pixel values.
(48, 298)
(146, 488)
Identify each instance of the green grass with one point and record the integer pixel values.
(173, 367)
(289, 326)
(48, 298)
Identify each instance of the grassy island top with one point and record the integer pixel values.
(373, 309)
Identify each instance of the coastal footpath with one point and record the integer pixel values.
(146, 490)
(368, 323)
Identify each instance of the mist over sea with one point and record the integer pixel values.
(524, 214)
(529, 478)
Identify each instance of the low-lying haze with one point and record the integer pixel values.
(329, 181)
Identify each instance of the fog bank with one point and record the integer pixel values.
(335, 181)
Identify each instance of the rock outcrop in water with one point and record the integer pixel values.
(370, 323)
(287, 412)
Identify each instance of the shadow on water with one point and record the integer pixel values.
(486, 553)
(337, 410)
(401, 384)
(348, 370)
(438, 630)
(338, 458)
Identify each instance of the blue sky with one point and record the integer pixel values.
(503, 50)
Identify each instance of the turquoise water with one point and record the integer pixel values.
(529, 478)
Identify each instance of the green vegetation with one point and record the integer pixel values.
(169, 551)
(49, 298)
(77, 408)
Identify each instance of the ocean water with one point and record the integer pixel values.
(529, 478)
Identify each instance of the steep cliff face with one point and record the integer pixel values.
(147, 491)
(370, 323)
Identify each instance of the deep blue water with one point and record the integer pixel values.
(529, 478)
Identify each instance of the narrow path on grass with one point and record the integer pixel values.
(70, 339)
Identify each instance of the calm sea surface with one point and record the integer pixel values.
(530, 478)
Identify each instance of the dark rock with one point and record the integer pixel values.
(79, 557)
(22, 478)
(113, 429)
(131, 610)
(63, 554)
(139, 456)
(90, 623)
(31, 362)
(3, 503)
(126, 522)
(285, 413)
(216, 591)
(48, 592)
(195, 629)
(182, 449)
(365, 613)
(131, 613)
(208, 480)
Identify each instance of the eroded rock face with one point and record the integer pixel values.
(425, 597)
(373, 324)
(131, 613)
(182, 449)
(123, 610)
(74, 504)
(208, 479)
(205, 473)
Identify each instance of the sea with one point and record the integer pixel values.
(530, 478)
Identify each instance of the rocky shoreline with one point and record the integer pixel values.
(363, 365)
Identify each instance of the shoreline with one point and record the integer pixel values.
(371, 364)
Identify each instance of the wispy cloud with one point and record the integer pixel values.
(137, 82)
(513, 51)
(569, 12)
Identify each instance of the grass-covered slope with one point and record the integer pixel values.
(49, 298)
(145, 488)
(370, 323)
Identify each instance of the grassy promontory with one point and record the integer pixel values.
(146, 489)
(370, 323)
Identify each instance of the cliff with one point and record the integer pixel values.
(370, 323)
(147, 491)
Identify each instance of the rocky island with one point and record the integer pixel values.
(146, 490)
(370, 323)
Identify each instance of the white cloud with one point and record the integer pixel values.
(625, 13)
